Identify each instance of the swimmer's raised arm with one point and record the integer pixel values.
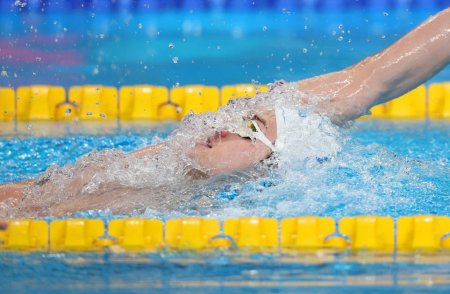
(386, 75)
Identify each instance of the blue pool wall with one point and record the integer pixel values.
(152, 5)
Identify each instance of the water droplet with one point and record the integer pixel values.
(305, 50)
(68, 111)
(140, 26)
(175, 59)
(102, 115)
(171, 46)
(305, 27)
(89, 113)
(383, 36)
(340, 38)
(4, 73)
(20, 3)
(38, 59)
(341, 26)
(385, 13)
(264, 28)
(65, 29)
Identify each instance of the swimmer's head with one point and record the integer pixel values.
(227, 151)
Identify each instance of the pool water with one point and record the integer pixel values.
(387, 168)
(192, 47)
(216, 273)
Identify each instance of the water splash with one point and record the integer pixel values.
(322, 170)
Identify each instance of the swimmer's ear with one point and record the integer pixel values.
(196, 174)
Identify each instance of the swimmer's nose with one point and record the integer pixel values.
(218, 135)
(224, 134)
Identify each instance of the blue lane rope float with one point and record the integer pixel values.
(236, 5)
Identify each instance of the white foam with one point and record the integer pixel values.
(320, 171)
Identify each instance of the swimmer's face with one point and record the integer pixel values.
(225, 151)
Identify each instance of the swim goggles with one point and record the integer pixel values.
(250, 129)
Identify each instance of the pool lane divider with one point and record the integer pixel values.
(421, 233)
(103, 103)
(156, 103)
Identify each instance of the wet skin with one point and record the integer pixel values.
(225, 151)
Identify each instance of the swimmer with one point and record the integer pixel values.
(348, 94)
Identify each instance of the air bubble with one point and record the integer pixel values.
(340, 38)
(171, 45)
(305, 50)
(175, 59)
(264, 28)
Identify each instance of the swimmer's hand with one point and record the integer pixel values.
(13, 190)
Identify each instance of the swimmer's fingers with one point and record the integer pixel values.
(12, 190)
